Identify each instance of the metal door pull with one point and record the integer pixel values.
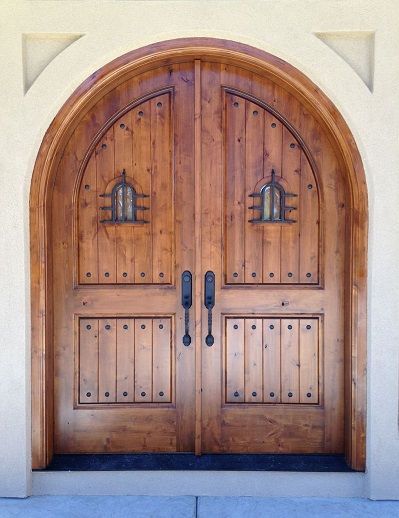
(186, 300)
(209, 301)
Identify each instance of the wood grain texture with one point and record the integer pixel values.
(258, 144)
(232, 421)
(42, 259)
(272, 360)
(146, 396)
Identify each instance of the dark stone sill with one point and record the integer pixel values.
(207, 462)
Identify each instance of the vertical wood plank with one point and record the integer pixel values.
(183, 371)
(309, 224)
(88, 360)
(291, 170)
(235, 382)
(125, 360)
(271, 360)
(289, 361)
(143, 360)
(253, 360)
(273, 136)
(161, 192)
(107, 360)
(87, 224)
(198, 257)
(141, 122)
(235, 188)
(106, 231)
(161, 359)
(211, 185)
(309, 360)
(254, 137)
(124, 234)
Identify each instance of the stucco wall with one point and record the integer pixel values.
(30, 36)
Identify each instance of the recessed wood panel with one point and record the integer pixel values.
(125, 360)
(258, 144)
(272, 360)
(139, 144)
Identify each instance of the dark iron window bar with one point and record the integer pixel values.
(272, 187)
(128, 211)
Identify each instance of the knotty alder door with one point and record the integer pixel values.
(273, 234)
(123, 233)
(199, 167)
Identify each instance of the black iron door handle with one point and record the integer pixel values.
(209, 301)
(186, 300)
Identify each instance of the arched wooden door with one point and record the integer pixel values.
(199, 166)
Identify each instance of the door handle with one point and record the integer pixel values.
(186, 301)
(209, 302)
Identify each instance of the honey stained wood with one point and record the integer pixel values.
(161, 193)
(88, 215)
(88, 361)
(124, 234)
(294, 424)
(272, 233)
(41, 201)
(212, 187)
(161, 360)
(107, 360)
(235, 360)
(289, 361)
(143, 360)
(291, 165)
(132, 361)
(253, 360)
(257, 147)
(125, 360)
(254, 138)
(141, 143)
(138, 144)
(271, 360)
(270, 357)
(235, 188)
(309, 361)
(106, 241)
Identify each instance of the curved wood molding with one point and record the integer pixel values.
(57, 136)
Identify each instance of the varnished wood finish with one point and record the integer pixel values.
(132, 278)
(347, 167)
(244, 295)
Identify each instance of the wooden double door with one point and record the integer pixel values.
(189, 168)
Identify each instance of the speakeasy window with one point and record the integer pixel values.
(124, 206)
(272, 207)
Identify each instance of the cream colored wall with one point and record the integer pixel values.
(283, 27)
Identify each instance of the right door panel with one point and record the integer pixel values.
(273, 234)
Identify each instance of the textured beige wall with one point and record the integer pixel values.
(360, 76)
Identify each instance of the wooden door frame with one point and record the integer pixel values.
(44, 173)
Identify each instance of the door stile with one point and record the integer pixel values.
(198, 257)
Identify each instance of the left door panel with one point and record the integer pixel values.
(123, 378)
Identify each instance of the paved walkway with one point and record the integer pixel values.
(191, 507)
